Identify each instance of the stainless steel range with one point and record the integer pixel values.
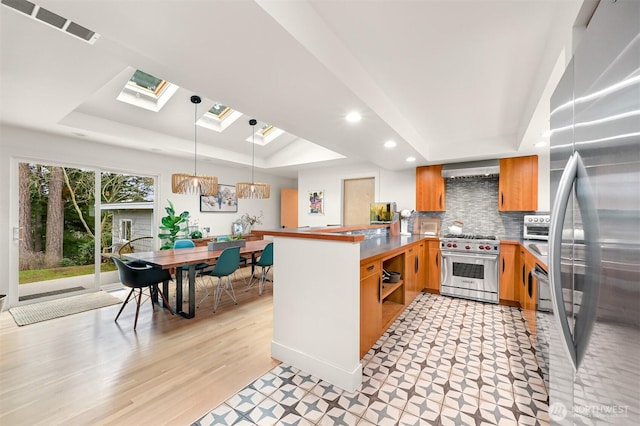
(470, 267)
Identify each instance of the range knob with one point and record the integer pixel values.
(468, 247)
(449, 245)
(455, 245)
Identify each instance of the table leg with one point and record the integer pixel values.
(165, 290)
(179, 291)
(192, 291)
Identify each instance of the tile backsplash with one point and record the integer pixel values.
(474, 201)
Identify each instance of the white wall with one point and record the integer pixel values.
(390, 186)
(25, 145)
(544, 201)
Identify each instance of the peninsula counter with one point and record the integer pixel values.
(317, 301)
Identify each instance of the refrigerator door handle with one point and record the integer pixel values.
(586, 317)
(555, 243)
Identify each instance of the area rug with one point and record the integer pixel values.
(43, 311)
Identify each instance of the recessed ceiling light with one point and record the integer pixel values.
(390, 144)
(411, 159)
(353, 117)
(540, 144)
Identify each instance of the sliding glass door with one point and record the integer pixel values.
(66, 237)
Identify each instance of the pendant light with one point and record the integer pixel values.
(252, 189)
(183, 183)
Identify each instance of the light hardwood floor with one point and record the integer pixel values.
(85, 369)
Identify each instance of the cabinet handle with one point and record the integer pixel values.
(379, 290)
(416, 263)
(440, 200)
(502, 199)
(370, 267)
(436, 260)
(503, 265)
(523, 273)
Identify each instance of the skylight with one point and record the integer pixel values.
(147, 91)
(266, 134)
(220, 111)
(219, 117)
(148, 82)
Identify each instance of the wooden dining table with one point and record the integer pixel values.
(177, 258)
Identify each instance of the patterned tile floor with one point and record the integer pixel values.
(444, 361)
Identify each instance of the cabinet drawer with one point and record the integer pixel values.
(369, 268)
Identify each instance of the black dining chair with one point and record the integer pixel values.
(136, 275)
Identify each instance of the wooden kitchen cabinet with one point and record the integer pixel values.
(433, 264)
(508, 285)
(530, 292)
(518, 184)
(521, 274)
(414, 270)
(370, 310)
(430, 189)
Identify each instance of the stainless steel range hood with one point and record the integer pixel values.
(471, 169)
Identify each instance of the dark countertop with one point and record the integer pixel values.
(377, 246)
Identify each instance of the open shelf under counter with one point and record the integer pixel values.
(390, 311)
(389, 288)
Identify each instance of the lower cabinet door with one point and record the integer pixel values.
(370, 312)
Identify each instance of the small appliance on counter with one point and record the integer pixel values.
(536, 227)
(404, 221)
(382, 213)
(426, 225)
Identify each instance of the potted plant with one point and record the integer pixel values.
(171, 225)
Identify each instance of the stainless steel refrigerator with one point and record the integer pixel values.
(593, 337)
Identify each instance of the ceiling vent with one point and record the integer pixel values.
(41, 14)
(471, 169)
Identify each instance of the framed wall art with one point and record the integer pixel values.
(225, 201)
(316, 202)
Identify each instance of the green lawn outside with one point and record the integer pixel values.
(37, 275)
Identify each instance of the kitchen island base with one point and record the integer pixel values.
(316, 320)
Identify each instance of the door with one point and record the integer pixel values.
(64, 233)
(289, 208)
(57, 224)
(593, 240)
(358, 194)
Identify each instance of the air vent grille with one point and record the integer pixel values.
(80, 31)
(44, 15)
(23, 6)
(50, 18)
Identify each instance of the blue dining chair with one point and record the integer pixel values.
(265, 262)
(139, 276)
(227, 264)
(186, 243)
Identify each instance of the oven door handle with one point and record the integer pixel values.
(470, 256)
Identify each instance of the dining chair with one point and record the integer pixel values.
(227, 264)
(139, 276)
(265, 262)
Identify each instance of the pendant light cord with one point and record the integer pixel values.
(253, 152)
(195, 140)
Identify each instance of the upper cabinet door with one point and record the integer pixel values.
(430, 189)
(518, 184)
